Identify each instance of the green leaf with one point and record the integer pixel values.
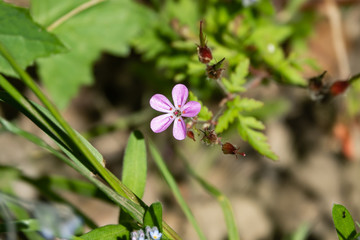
(25, 225)
(234, 108)
(134, 166)
(25, 40)
(226, 119)
(344, 223)
(237, 79)
(104, 26)
(205, 114)
(153, 216)
(245, 104)
(108, 232)
(247, 127)
(135, 210)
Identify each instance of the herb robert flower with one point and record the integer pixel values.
(173, 113)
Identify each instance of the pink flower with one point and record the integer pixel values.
(173, 113)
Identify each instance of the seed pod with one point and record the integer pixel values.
(190, 134)
(339, 87)
(204, 52)
(210, 137)
(215, 71)
(228, 148)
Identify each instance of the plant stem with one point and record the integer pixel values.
(76, 141)
(125, 193)
(174, 188)
(72, 13)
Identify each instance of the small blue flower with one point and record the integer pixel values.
(155, 234)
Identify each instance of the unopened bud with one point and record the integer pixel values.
(204, 52)
(190, 134)
(228, 148)
(339, 87)
(215, 71)
(210, 137)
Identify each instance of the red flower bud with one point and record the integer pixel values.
(339, 87)
(190, 134)
(228, 148)
(204, 52)
(210, 137)
(215, 71)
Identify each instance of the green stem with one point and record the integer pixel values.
(174, 188)
(114, 182)
(72, 13)
(109, 178)
(221, 198)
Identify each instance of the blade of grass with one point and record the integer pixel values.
(221, 198)
(174, 188)
(115, 183)
(104, 173)
(134, 210)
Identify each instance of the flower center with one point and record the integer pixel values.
(177, 113)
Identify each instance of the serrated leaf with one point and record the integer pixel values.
(235, 107)
(205, 114)
(23, 38)
(108, 232)
(257, 140)
(237, 79)
(106, 26)
(226, 119)
(344, 222)
(134, 165)
(153, 216)
(245, 104)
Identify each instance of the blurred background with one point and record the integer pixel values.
(318, 144)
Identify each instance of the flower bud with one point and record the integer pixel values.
(204, 52)
(339, 87)
(215, 71)
(190, 134)
(210, 137)
(228, 148)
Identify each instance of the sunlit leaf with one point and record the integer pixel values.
(106, 26)
(134, 164)
(23, 38)
(153, 216)
(108, 232)
(344, 222)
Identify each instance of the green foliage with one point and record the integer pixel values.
(108, 232)
(153, 216)
(134, 165)
(18, 34)
(26, 225)
(247, 128)
(205, 114)
(104, 26)
(344, 223)
(237, 79)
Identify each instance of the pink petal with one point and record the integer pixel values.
(161, 123)
(179, 94)
(191, 109)
(160, 103)
(179, 129)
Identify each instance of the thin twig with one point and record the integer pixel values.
(72, 13)
(333, 13)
